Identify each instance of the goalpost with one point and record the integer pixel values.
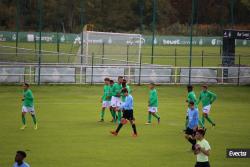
(109, 48)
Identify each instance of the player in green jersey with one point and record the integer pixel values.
(191, 97)
(153, 104)
(105, 100)
(207, 98)
(28, 106)
(112, 110)
(116, 98)
(125, 85)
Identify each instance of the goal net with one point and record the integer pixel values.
(109, 48)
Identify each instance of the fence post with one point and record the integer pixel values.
(35, 47)
(103, 49)
(81, 74)
(40, 40)
(127, 52)
(139, 81)
(175, 58)
(17, 24)
(30, 73)
(202, 58)
(238, 81)
(92, 68)
(175, 75)
(58, 46)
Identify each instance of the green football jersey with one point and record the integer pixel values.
(206, 98)
(153, 98)
(192, 97)
(129, 92)
(28, 98)
(106, 93)
(116, 89)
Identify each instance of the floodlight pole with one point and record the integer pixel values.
(40, 39)
(141, 6)
(17, 23)
(191, 43)
(82, 24)
(232, 12)
(153, 30)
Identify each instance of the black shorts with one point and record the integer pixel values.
(202, 164)
(128, 114)
(190, 131)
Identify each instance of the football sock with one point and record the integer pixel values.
(102, 114)
(119, 116)
(23, 120)
(134, 128)
(112, 114)
(156, 115)
(34, 119)
(149, 117)
(210, 120)
(119, 127)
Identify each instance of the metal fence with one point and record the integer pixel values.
(135, 74)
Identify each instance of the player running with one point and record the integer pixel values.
(127, 108)
(207, 98)
(153, 104)
(28, 106)
(105, 99)
(116, 98)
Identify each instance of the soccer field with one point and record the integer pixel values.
(70, 136)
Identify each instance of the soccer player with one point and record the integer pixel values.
(125, 85)
(153, 104)
(202, 149)
(116, 98)
(207, 98)
(28, 106)
(127, 108)
(105, 99)
(193, 120)
(19, 159)
(191, 97)
(112, 110)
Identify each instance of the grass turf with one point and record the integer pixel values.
(69, 134)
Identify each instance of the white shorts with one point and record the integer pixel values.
(152, 109)
(31, 110)
(206, 109)
(116, 101)
(105, 104)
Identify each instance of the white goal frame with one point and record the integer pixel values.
(110, 38)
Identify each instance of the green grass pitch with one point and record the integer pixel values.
(69, 134)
